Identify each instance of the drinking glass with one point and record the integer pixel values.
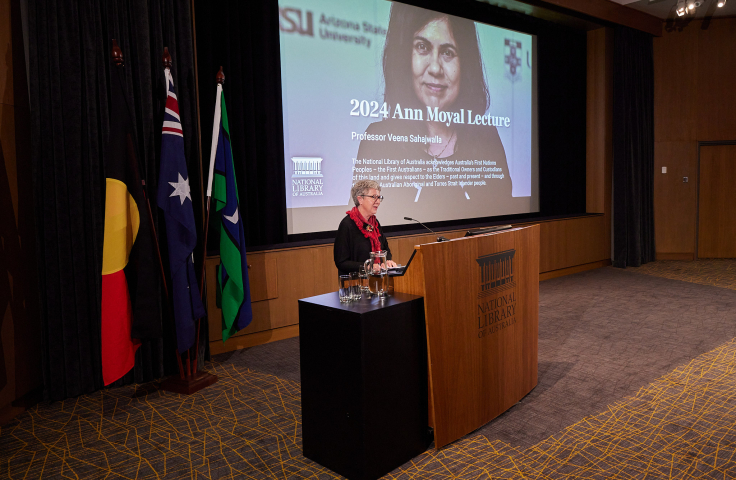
(383, 283)
(384, 288)
(344, 292)
(355, 290)
(363, 275)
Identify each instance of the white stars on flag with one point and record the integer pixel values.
(181, 189)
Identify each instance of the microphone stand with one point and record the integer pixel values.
(439, 237)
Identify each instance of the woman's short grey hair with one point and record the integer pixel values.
(361, 187)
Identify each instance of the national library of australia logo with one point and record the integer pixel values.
(496, 272)
(306, 177)
(306, 167)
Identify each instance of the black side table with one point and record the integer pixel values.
(364, 383)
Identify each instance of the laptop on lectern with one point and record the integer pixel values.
(400, 271)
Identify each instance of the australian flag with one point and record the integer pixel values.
(175, 200)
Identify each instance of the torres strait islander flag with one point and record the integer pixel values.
(176, 201)
(233, 289)
(130, 307)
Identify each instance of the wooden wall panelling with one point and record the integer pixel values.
(675, 142)
(263, 276)
(676, 85)
(302, 273)
(573, 270)
(278, 280)
(694, 70)
(716, 79)
(599, 121)
(675, 202)
(717, 202)
(566, 243)
(254, 339)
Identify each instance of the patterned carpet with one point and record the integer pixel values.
(244, 426)
(247, 425)
(717, 272)
(680, 426)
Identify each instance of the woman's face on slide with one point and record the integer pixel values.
(435, 64)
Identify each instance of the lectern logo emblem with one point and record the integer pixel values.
(496, 272)
(497, 293)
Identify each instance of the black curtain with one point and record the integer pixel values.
(70, 72)
(243, 38)
(633, 148)
(561, 66)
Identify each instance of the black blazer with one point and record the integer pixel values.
(352, 248)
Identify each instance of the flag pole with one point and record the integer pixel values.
(220, 79)
(190, 379)
(119, 60)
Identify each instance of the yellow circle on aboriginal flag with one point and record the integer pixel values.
(121, 226)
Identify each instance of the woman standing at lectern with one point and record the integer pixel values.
(359, 232)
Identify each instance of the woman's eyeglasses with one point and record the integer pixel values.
(374, 197)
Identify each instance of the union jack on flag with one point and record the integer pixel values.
(176, 201)
(172, 122)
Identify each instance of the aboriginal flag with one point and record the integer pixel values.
(130, 280)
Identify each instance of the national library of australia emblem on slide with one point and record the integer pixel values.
(306, 177)
(497, 292)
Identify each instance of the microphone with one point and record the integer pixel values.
(439, 237)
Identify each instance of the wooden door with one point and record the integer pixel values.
(717, 202)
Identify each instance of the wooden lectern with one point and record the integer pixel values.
(481, 307)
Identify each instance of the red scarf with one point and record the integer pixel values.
(369, 228)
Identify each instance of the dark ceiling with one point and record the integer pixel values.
(665, 9)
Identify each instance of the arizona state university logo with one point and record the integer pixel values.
(496, 272)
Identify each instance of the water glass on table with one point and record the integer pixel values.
(345, 291)
(363, 276)
(355, 289)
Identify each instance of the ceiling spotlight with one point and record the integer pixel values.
(680, 8)
(721, 3)
(691, 6)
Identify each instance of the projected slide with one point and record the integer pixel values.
(439, 110)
